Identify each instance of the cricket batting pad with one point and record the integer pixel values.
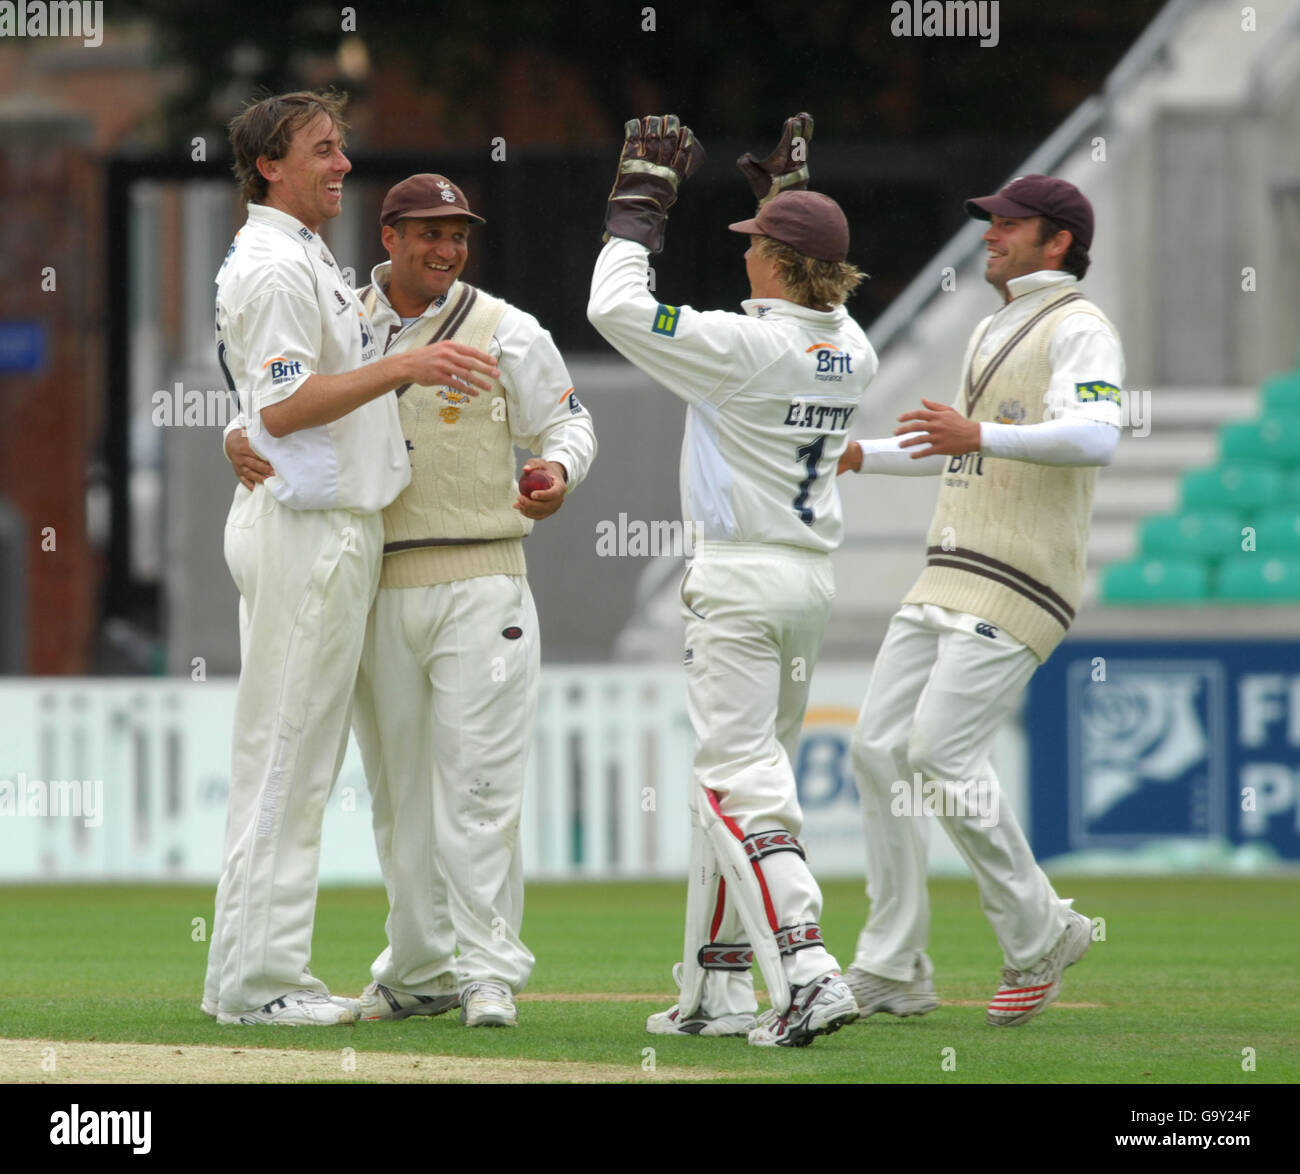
(747, 887)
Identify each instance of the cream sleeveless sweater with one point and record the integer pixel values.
(1008, 538)
(454, 521)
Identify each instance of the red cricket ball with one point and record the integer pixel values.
(534, 479)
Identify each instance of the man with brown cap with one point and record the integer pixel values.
(447, 689)
(770, 394)
(1037, 413)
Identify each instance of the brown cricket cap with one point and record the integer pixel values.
(809, 222)
(1039, 195)
(425, 195)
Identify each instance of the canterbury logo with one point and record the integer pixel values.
(987, 630)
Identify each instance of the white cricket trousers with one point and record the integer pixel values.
(939, 692)
(445, 705)
(755, 615)
(306, 580)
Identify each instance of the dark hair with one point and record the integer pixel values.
(1076, 259)
(267, 127)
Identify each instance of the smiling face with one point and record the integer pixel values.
(308, 182)
(428, 256)
(1014, 250)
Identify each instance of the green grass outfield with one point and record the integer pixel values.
(1191, 972)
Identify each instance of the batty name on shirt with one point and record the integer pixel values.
(823, 417)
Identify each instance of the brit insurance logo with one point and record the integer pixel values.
(1146, 751)
(282, 369)
(832, 363)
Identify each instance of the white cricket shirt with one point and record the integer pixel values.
(771, 392)
(284, 313)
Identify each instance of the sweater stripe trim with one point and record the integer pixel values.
(973, 394)
(450, 324)
(419, 543)
(1028, 580)
(458, 315)
(1003, 581)
(1008, 577)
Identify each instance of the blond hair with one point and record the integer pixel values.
(807, 280)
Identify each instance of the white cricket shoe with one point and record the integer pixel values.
(488, 1004)
(670, 1022)
(297, 1009)
(384, 1002)
(816, 1008)
(895, 997)
(1024, 993)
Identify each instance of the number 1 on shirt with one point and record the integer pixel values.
(811, 455)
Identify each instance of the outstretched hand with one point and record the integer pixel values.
(453, 364)
(939, 426)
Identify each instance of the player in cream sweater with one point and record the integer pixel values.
(1038, 412)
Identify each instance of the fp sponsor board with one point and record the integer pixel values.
(1131, 743)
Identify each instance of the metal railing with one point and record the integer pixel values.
(1151, 47)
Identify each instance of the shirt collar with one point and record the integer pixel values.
(1039, 280)
(380, 276)
(274, 218)
(780, 307)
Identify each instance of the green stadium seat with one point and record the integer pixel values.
(1271, 439)
(1278, 533)
(1155, 581)
(1232, 487)
(1211, 534)
(1259, 578)
(1282, 393)
(1291, 489)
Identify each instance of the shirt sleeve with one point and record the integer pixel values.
(274, 339)
(1087, 371)
(1067, 440)
(545, 414)
(693, 353)
(883, 455)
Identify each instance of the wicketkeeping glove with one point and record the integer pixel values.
(658, 153)
(786, 168)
